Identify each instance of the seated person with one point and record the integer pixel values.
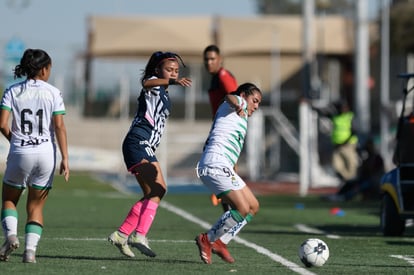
(367, 182)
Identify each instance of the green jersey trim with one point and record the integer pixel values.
(63, 112)
(5, 108)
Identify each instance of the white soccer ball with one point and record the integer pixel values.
(313, 252)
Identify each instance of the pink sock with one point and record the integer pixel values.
(131, 219)
(148, 211)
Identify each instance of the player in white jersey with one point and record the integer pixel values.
(215, 169)
(139, 147)
(37, 110)
(222, 82)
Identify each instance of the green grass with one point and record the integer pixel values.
(81, 214)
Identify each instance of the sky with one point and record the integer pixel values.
(60, 27)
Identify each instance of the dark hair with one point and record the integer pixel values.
(32, 62)
(247, 88)
(340, 106)
(212, 48)
(156, 60)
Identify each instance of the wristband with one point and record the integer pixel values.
(172, 81)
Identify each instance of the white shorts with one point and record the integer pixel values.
(218, 175)
(35, 170)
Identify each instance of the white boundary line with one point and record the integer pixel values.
(408, 259)
(275, 257)
(105, 239)
(312, 230)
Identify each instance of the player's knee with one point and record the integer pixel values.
(158, 191)
(249, 208)
(162, 193)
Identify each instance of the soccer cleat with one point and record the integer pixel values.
(10, 245)
(214, 200)
(219, 248)
(204, 246)
(141, 243)
(29, 256)
(122, 244)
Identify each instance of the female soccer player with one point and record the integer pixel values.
(215, 169)
(38, 110)
(139, 147)
(222, 82)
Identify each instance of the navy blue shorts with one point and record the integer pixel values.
(135, 149)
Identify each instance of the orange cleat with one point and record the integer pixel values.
(214, 200)
(220, 249)
(204, 246)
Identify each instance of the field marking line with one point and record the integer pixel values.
(312, 230)
(275, 257)
(410, 260)
(105, 239)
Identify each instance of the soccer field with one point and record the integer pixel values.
(80, 215)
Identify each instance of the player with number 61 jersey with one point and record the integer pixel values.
(33, 103)
(37, 110)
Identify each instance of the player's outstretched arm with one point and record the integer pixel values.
(183, 81)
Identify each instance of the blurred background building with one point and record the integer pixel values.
(319, 50)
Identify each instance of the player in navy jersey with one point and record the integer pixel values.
(216, 170)
(139, 147)
(37, 109)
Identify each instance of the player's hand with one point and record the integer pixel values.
(185, 82)
(240, 111)
(64, 170)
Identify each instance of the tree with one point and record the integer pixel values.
(402, 27)
(279, 7)
(343, 7)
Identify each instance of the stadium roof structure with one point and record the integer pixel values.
(262, 35)
(138, 36)
(251, 45)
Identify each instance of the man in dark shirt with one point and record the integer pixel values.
(222, 82)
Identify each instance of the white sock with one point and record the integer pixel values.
(33, 234)
(32, 239)
(232, 232)
(9, 224)
(228, 221)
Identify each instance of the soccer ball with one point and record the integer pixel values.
(313, 252)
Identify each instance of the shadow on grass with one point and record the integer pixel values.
(401, 242)
(97, 258)
(340, 229)
(348, 230)
(352, 230)
(361, 230)
(379, 266)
